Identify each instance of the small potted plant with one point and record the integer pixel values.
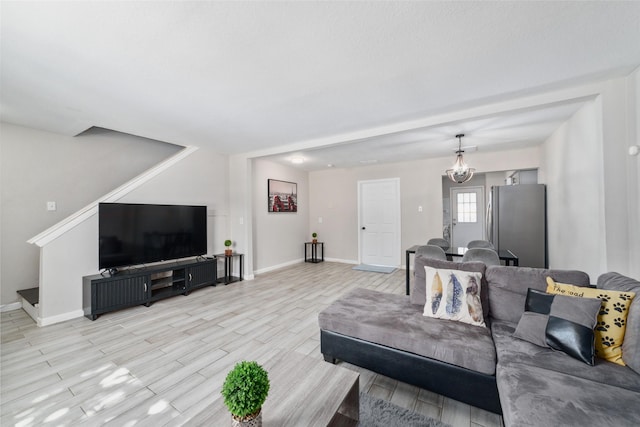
(244, 391)
(228, 251)
(315, 237)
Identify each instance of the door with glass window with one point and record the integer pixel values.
(467, 215)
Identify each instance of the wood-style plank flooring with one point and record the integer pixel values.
(164, 364)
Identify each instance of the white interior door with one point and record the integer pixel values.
(379, 221)
(467, 215)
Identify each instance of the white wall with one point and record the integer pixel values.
(633, 174)
(199, 179)
(241, 209)
(278, 238)
(620, 175)
(38, 166)
(575, 202)
(334, 197)
(592, 185)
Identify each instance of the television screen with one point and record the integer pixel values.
(132, 234)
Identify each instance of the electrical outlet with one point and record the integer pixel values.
(419, 208)
(51, 206)
(319, 220)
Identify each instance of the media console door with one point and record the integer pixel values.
(202, 274)
(101, 295)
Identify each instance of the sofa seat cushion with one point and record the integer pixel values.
(514, 352)
(536, 396)
(391, 320)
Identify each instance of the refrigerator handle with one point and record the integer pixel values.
(488, 220)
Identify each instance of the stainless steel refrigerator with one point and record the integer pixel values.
(517, 221)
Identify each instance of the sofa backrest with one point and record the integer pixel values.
(508, 287)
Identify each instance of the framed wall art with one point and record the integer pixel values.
(283, 196)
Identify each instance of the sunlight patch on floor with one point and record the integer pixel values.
(56, 415)
(96, 371)
(158, 407)
(119, 376)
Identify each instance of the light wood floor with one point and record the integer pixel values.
(164, 364)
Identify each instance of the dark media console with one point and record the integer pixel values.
(102, 293)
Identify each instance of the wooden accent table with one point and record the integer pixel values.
(306, 392)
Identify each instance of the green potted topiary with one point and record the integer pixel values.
(228, 251)
(244, 390)
(315, 237)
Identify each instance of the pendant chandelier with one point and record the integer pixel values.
(460, 172)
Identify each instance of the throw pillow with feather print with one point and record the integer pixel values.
(453, 295)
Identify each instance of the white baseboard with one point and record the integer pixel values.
(11, 306)
(343, 261)
(301, 260)
(349, 261)
(279, 266)
(46, 321)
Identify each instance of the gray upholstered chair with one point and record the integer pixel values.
(431, 251)
(480, 244)
(488, 256)
(436, 241)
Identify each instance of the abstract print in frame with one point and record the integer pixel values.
(283, 196)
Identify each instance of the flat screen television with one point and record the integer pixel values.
(132, 234)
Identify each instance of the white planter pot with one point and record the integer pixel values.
(255, 422)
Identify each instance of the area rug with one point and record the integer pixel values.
(374, 268)
(376, 412)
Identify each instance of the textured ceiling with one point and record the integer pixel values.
(253, 76)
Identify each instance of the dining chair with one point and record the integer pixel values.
(487, 256)
(436, 241)
(480, 244)
(431, 251)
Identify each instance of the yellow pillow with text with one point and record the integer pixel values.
(612, 317)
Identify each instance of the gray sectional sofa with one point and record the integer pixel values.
(488, 367)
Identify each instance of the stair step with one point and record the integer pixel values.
(32, 295)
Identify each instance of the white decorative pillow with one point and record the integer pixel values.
(453, 295)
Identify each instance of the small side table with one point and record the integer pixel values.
(228, 268)
(314, 252)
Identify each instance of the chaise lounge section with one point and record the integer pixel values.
(387, 334)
